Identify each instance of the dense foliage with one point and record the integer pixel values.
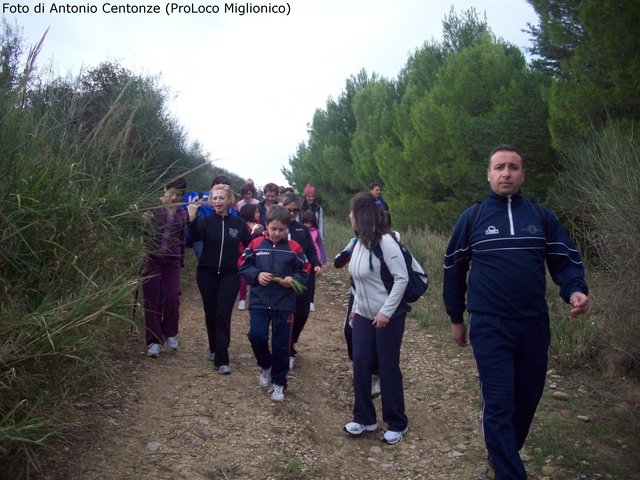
(602, 205)
(426, 135)
(79, 160)
(592, 50)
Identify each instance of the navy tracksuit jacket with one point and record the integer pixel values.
(272, 303)
(507, 248)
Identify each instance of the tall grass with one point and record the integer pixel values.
(70, 250)
(600, 196)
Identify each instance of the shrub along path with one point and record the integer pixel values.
(176, 417)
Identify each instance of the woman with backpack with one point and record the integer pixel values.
(378, 318)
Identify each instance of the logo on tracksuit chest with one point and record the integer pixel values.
(491, 230)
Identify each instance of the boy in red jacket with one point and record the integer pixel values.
(270, 264)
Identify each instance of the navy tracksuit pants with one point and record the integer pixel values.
(381, 345)
(278, 358)
(348, 334)
(511, 357)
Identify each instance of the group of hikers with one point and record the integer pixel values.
(494, 268)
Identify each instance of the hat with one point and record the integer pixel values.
(309, 190)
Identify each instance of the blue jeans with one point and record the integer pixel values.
(278, 358)
(511, 356)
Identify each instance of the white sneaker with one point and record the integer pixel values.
(312, 307)
(265, 377)
(172, 343)
(375, 386)
(277, 393)
(212, 356)
(355, 429)
(224, 369)
(391, 437)
(154, 350)
(242, 305)
(292, 362)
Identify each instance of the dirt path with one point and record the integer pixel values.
(175, 417)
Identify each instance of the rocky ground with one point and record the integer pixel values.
(175, 417)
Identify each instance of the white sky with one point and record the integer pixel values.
(247, 86)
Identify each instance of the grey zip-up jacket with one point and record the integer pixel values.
(371, 296)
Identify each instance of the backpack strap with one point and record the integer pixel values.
(471, 219)
(377, 251)
(541, 216)
(385, 274)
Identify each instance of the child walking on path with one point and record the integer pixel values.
(165, 258)
(250, 213)
(270, 265)
(310, 204)
(309, 220)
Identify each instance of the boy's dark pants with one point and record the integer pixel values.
(219, 291)
(278, 358)
(511, 357)
(371, 344)
(161, 299)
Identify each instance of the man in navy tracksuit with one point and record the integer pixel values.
(507, 244)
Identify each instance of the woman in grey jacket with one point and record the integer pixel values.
(378, 320)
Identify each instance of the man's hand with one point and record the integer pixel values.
(459, 333)
(580, 303)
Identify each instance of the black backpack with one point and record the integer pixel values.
(418, 281)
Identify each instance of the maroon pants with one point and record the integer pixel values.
(161, 299)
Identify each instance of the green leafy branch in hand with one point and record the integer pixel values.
(297, 286)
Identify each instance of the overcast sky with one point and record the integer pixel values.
(246, 86)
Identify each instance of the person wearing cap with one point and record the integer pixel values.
(310, 204)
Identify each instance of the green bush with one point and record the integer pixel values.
(599, 196)
(70, 243)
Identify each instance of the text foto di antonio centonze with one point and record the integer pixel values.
(169, 8)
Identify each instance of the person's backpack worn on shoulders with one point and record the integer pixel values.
(418, 280)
